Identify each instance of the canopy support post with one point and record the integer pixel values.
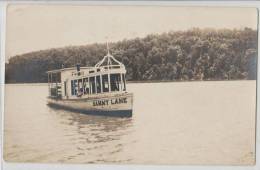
(109, 84)
(56, 82)
(101, 84)
(121, 82)
(49, 84)
(95, 84)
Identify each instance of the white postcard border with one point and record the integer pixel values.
(29, 166)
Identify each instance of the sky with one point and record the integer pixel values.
(38, 27)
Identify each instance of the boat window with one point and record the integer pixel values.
(80, 87)
(65, 88)
(115, 81)
(92, 85)
(74, 87)
(58, 77)
(105, 84)
(98, 84)
(85, 86)
(123, 77)
(55, 77)
(49, 78)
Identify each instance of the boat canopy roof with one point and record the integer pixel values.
(67, 69)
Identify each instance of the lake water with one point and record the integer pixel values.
(172, 123)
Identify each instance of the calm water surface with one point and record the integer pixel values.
(172, 123)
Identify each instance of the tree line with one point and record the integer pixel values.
(195, 54)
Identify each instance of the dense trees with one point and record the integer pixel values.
(196, 54)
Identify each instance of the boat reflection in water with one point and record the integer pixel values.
(96, 139)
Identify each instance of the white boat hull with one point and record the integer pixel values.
(118, 104)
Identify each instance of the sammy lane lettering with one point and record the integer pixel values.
(112, 101)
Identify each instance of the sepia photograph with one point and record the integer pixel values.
(130, 84)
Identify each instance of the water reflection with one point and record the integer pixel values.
(100, 139)
(163, 130)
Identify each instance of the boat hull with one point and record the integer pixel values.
(119, 105)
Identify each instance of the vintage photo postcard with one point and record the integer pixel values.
(115, 84)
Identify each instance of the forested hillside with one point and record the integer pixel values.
(196, 54)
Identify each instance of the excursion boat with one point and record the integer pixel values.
(98, 90)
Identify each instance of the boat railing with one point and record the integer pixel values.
(110, 67)
(55, 90)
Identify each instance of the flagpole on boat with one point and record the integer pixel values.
(108, 49)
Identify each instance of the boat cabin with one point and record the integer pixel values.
(106, 77)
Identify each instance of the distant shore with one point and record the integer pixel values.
(153, 58)
(169, 81)
(148, 81)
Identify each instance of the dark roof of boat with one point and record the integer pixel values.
(67, 69)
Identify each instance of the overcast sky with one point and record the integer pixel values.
(38, 27)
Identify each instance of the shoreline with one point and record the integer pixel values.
(150, 81)
(182, 81)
